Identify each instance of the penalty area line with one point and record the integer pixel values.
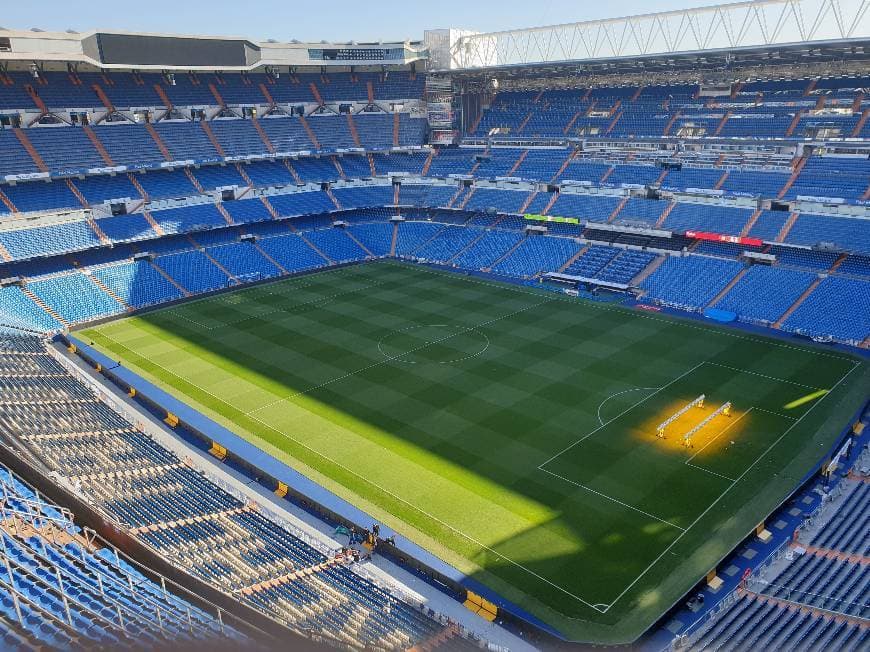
(729, 488)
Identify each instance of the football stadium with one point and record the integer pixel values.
(547, 338)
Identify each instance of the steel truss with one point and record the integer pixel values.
(755, 23)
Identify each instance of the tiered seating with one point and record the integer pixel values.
(488, 249)
(39, 196)
(365, 196)
(302, 203)
(536, 255)
(63, 594)
(837, 307)
(376, 237)
(186, 141)
(335, 244)
(137, 284)
(128, 144)
(47, 240)
(242, 260)
(75, 297)
(448, 243)
(100, 189)
(193, 271)
(413, 234)
(247, 210)
(292, 253)
(18, 311)
(691, 281)
(852, 234)
(141, 485)
(211, 177)
(765, 293)
(65, 149)
(706, 217)
(189, 218)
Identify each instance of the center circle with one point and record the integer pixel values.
(433, 344)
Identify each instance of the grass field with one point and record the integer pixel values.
(508, 430)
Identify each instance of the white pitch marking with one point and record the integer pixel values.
(633, 389)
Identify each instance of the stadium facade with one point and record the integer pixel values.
(191, 227)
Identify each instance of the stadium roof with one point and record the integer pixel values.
(732, 28)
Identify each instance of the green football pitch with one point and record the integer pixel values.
(509, 430)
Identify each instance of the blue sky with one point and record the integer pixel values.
(343, 20)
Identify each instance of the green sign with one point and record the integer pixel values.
(552, 218)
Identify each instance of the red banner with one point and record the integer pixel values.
(718, 237)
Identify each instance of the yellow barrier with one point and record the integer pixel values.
(481, 606)
(171, 420)
(131, 392)
(282, 490)
(218, 451)
(72, 348)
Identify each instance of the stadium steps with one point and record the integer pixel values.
(101, 94)
(396, 129)
(468, 247)
(95, 141)
(721, 181)
(243, 173)
(78, 193)
(803, 297)
(194, 180)
(574, 118)
(105, 288)
(7, 202)
(287, 577)
(313, 246)
(613, 122)
(810, 87)
(866, 194)
(206, 127)
(750, 223)
(43, 109)
(370, 92)
(647, 271)
(661, 177)
(665, 213)
(138, 186)
(466, 199)
(261, 132)
(734, 281)
(394, 239)
(269, 258)
(161, 93)
(334, 199)
(4, 254)
(212, 259)
(225, 214)
(836, 265)
(153, 223)
(607, 174)
(455, 196)
(506, 254)
(217, 95)
(166, 275)
(517, 163)
(30, 149)
(48, 309)
(830, 553)
(476, 122)
(573, 259)
(619, 207)
(671, 122)
(549, 205)
(309, 131)
(528, 202)
(158, 140)
(397, 189)
(269, 207)
(338, 168)
(372, 168)
(359, 244)
(315, 93)
(565, 164)
(293, 172)
(199, 518)
(856, 132)
(722, 122)
(794, 123)
(789, 223)
(266, 94)
(524, 122)
(104, 239)
(790, 182)
(351, 127)
(816, 612)
(428, 163)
